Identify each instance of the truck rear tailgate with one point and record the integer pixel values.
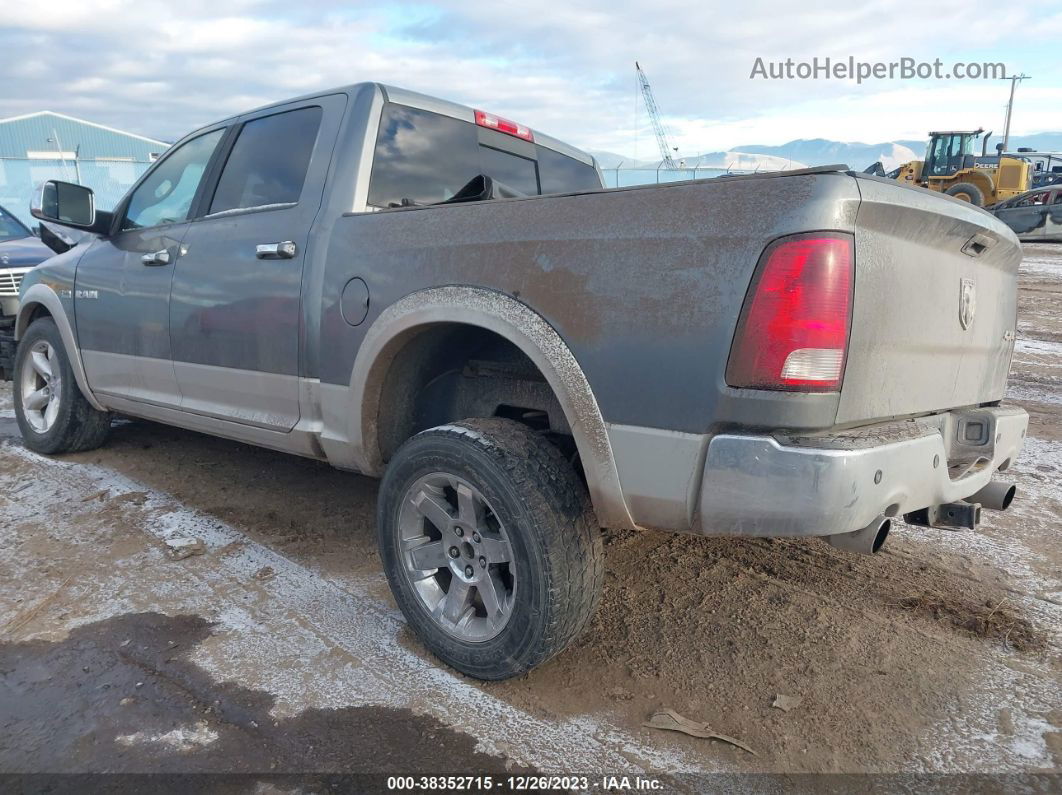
(935, 305)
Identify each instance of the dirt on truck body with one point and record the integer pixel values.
(433, 295)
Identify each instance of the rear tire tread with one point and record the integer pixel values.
(560, 510)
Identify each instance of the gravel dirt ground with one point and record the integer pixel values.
(280, 649)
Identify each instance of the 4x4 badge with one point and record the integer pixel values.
(967, 302)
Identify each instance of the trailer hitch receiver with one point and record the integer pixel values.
(952, 516)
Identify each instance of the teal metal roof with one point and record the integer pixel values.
(31, 133)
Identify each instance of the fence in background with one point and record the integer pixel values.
(20, 178)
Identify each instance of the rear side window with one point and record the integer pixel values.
(515, 171)
(425, 158)
(561, 174)
(268, 162)
(420, 156)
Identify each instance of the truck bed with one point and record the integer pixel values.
(679, 258)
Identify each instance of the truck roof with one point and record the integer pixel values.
(414, 99)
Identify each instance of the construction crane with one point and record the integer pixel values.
(654, 116)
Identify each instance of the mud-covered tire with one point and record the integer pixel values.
(967, 192)
(555, 542)
(76, 426)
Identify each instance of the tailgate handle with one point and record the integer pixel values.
(978, 245)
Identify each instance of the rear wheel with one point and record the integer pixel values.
(490, 545)
(52, 414)
(967, 192)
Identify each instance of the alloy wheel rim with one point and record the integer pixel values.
(457, 557)
(41, 386)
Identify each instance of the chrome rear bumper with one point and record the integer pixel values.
(838, 483)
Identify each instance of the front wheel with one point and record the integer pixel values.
(490, 545)
(52, 414)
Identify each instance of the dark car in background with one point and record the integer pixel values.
(19, 251)
(1035, 215)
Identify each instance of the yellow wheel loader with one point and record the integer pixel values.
(952, 166)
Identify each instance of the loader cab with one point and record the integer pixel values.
(947, 152)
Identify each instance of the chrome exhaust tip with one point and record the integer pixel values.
(997, 495)
(866, 541)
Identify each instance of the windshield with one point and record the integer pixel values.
(947, 152)
(425, 158)
(10, 227)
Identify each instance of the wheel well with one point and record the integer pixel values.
(446, 372)
(36, 311)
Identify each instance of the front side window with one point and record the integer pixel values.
(268, 162)
(166, 196)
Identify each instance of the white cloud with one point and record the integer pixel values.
(160, 67)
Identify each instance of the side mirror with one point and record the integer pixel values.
(70, 205)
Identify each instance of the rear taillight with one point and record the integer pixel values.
(492, 122)
(793, 330)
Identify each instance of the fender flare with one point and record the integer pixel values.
(45, 296)
(529, 332)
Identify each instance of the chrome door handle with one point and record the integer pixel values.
(285, 250)
(156, 258)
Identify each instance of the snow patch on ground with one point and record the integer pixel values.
(281, 635)
(995, 703)
(1040, 349)
(180, 739)
(1031, 393)
(1041, 265)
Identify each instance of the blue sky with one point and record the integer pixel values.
(162, 68)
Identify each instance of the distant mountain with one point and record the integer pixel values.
(795, 154)
(1041, 142)
(821, 152)
(611, 159)
(738, 161)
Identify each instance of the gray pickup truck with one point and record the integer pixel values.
(427, 293)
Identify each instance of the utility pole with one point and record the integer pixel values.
(1014, 80)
